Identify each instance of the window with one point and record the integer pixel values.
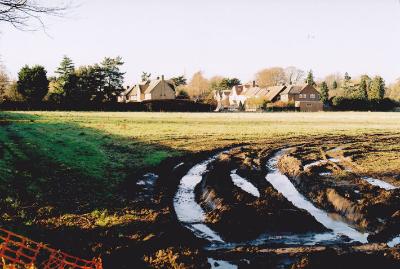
(303, 95)
(312, 96)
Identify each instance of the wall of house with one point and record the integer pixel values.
(121, 99)
(285, 97)
(307, 92)
(310, 106)
(237, 99)
(161, 92)
(134, 96)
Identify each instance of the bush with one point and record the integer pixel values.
(281, 106)
(183, 95)
(256, 103)
(33, 83)
(356, 104)
(148, 106)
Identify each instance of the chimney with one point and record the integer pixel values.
(162, 77)
(254, 83)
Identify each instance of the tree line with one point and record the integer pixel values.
(337, 91)
(103, 82)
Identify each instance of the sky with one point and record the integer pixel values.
(233, 38)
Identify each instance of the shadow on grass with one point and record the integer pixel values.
(75, 187)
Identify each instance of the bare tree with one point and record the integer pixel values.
(293, 75)
(198, 85)
(21, 13)
(270, 77)
(331, 79)
(4, 80)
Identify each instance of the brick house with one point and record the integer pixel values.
(306, 98)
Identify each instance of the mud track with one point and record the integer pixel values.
(253, 223)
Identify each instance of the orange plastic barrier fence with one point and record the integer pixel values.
(23, 252)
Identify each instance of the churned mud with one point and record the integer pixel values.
(280, 204)
(302, 206)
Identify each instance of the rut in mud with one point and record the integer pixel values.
(254, 198)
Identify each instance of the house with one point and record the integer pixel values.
(158, 89)
(235, 96)
(306, 98)
(251, 96)
(274, 92)
(222, 98)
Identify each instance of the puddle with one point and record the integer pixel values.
(148, 185)
(244, 184)
(192, 216)
(203, 231)
(188, 211)
(379, 183)
(221, 264)
(334, 160)
(373, 181)
(148, 180)
(306, 239)
(394, 242)
(178, 165)
(282, 184)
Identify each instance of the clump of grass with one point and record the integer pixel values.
(171, 258)
(289, 165)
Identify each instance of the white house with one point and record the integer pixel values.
(240, 94)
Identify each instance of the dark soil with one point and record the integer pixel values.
(236, 214)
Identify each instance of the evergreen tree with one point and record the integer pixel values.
(89, 81)
(377, 89)
(179, 81)
(362, 89)
(33, 83)
(324, 92)
(334, 85)
(112, 77)
(347, 87)
(145, 76)
(310, 79)
(66, 67)
(347, 77)
(242, 107)
(233, 82)
(228, 83)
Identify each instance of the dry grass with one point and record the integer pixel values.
(201, 131)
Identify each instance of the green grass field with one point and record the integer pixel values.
(106, 146)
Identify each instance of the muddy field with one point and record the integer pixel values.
(293, 205)
(197, 191)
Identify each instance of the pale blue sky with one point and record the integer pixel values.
(220, 37)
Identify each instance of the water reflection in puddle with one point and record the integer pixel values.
(283, 185)
(244, 184)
